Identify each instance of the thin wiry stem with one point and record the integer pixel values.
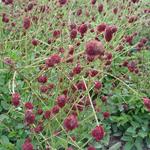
(91, 102)
(13, 82)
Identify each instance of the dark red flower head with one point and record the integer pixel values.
(93, 2)
(147, 103)
(28, 105)
(101, 27)
(42, 79)
(29, 117)
(71, 122)
(94, 48)
(55, 58)
(144, 40)
(92, 73)
(27, 145)
(52, 60)
(83, 29)
(104, 98)
(108, 34)
(39, 111)
(100, 8)
(72, 26)
(73, 33)
(61, 100)
(135, 1)
(47, 114)
(115, 10)
(35, 42)
(30, 6)
(16, 99)
(97, 85)
(79, 12)
(38, 128)
(81, 86)
(98, 133)
(113, 29)
(77, 69)
(56, 33)
(26, 23)
(43, 88)
(5, 18)
(7, 2)
(128, 39)
(106, 114)
(62, 2)
(55, 109)
(91, 148)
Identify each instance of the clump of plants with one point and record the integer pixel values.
(74, 75)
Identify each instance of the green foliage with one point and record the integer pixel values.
(127, 127)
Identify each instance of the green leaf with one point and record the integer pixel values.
(138, 143)
(128, 146)
(19, 144)
(19, 126)
(3, 116)
(142, 133)
(1, 108)
(148, 142)
(5, 105)
(98, 145)
(106, 140)
(131, 130)
(115, 146)
(126, 138)
(12, 134)
(4, 140)
(135, 124)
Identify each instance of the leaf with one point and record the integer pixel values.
(126, 138)
(128, 146)
(98, 145)
(19, 144)
(12, 134)
(142, 133)
(115, 146)
(19, 126)
(138, 144)
(135, 124)
(4, 139)
(3, 116)
(1, 108)
(106, 140)
(148, 142)
(5, 105)
(131, 130)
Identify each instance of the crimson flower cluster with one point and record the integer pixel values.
(98, 133)
(71, 122)
(147, 103)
